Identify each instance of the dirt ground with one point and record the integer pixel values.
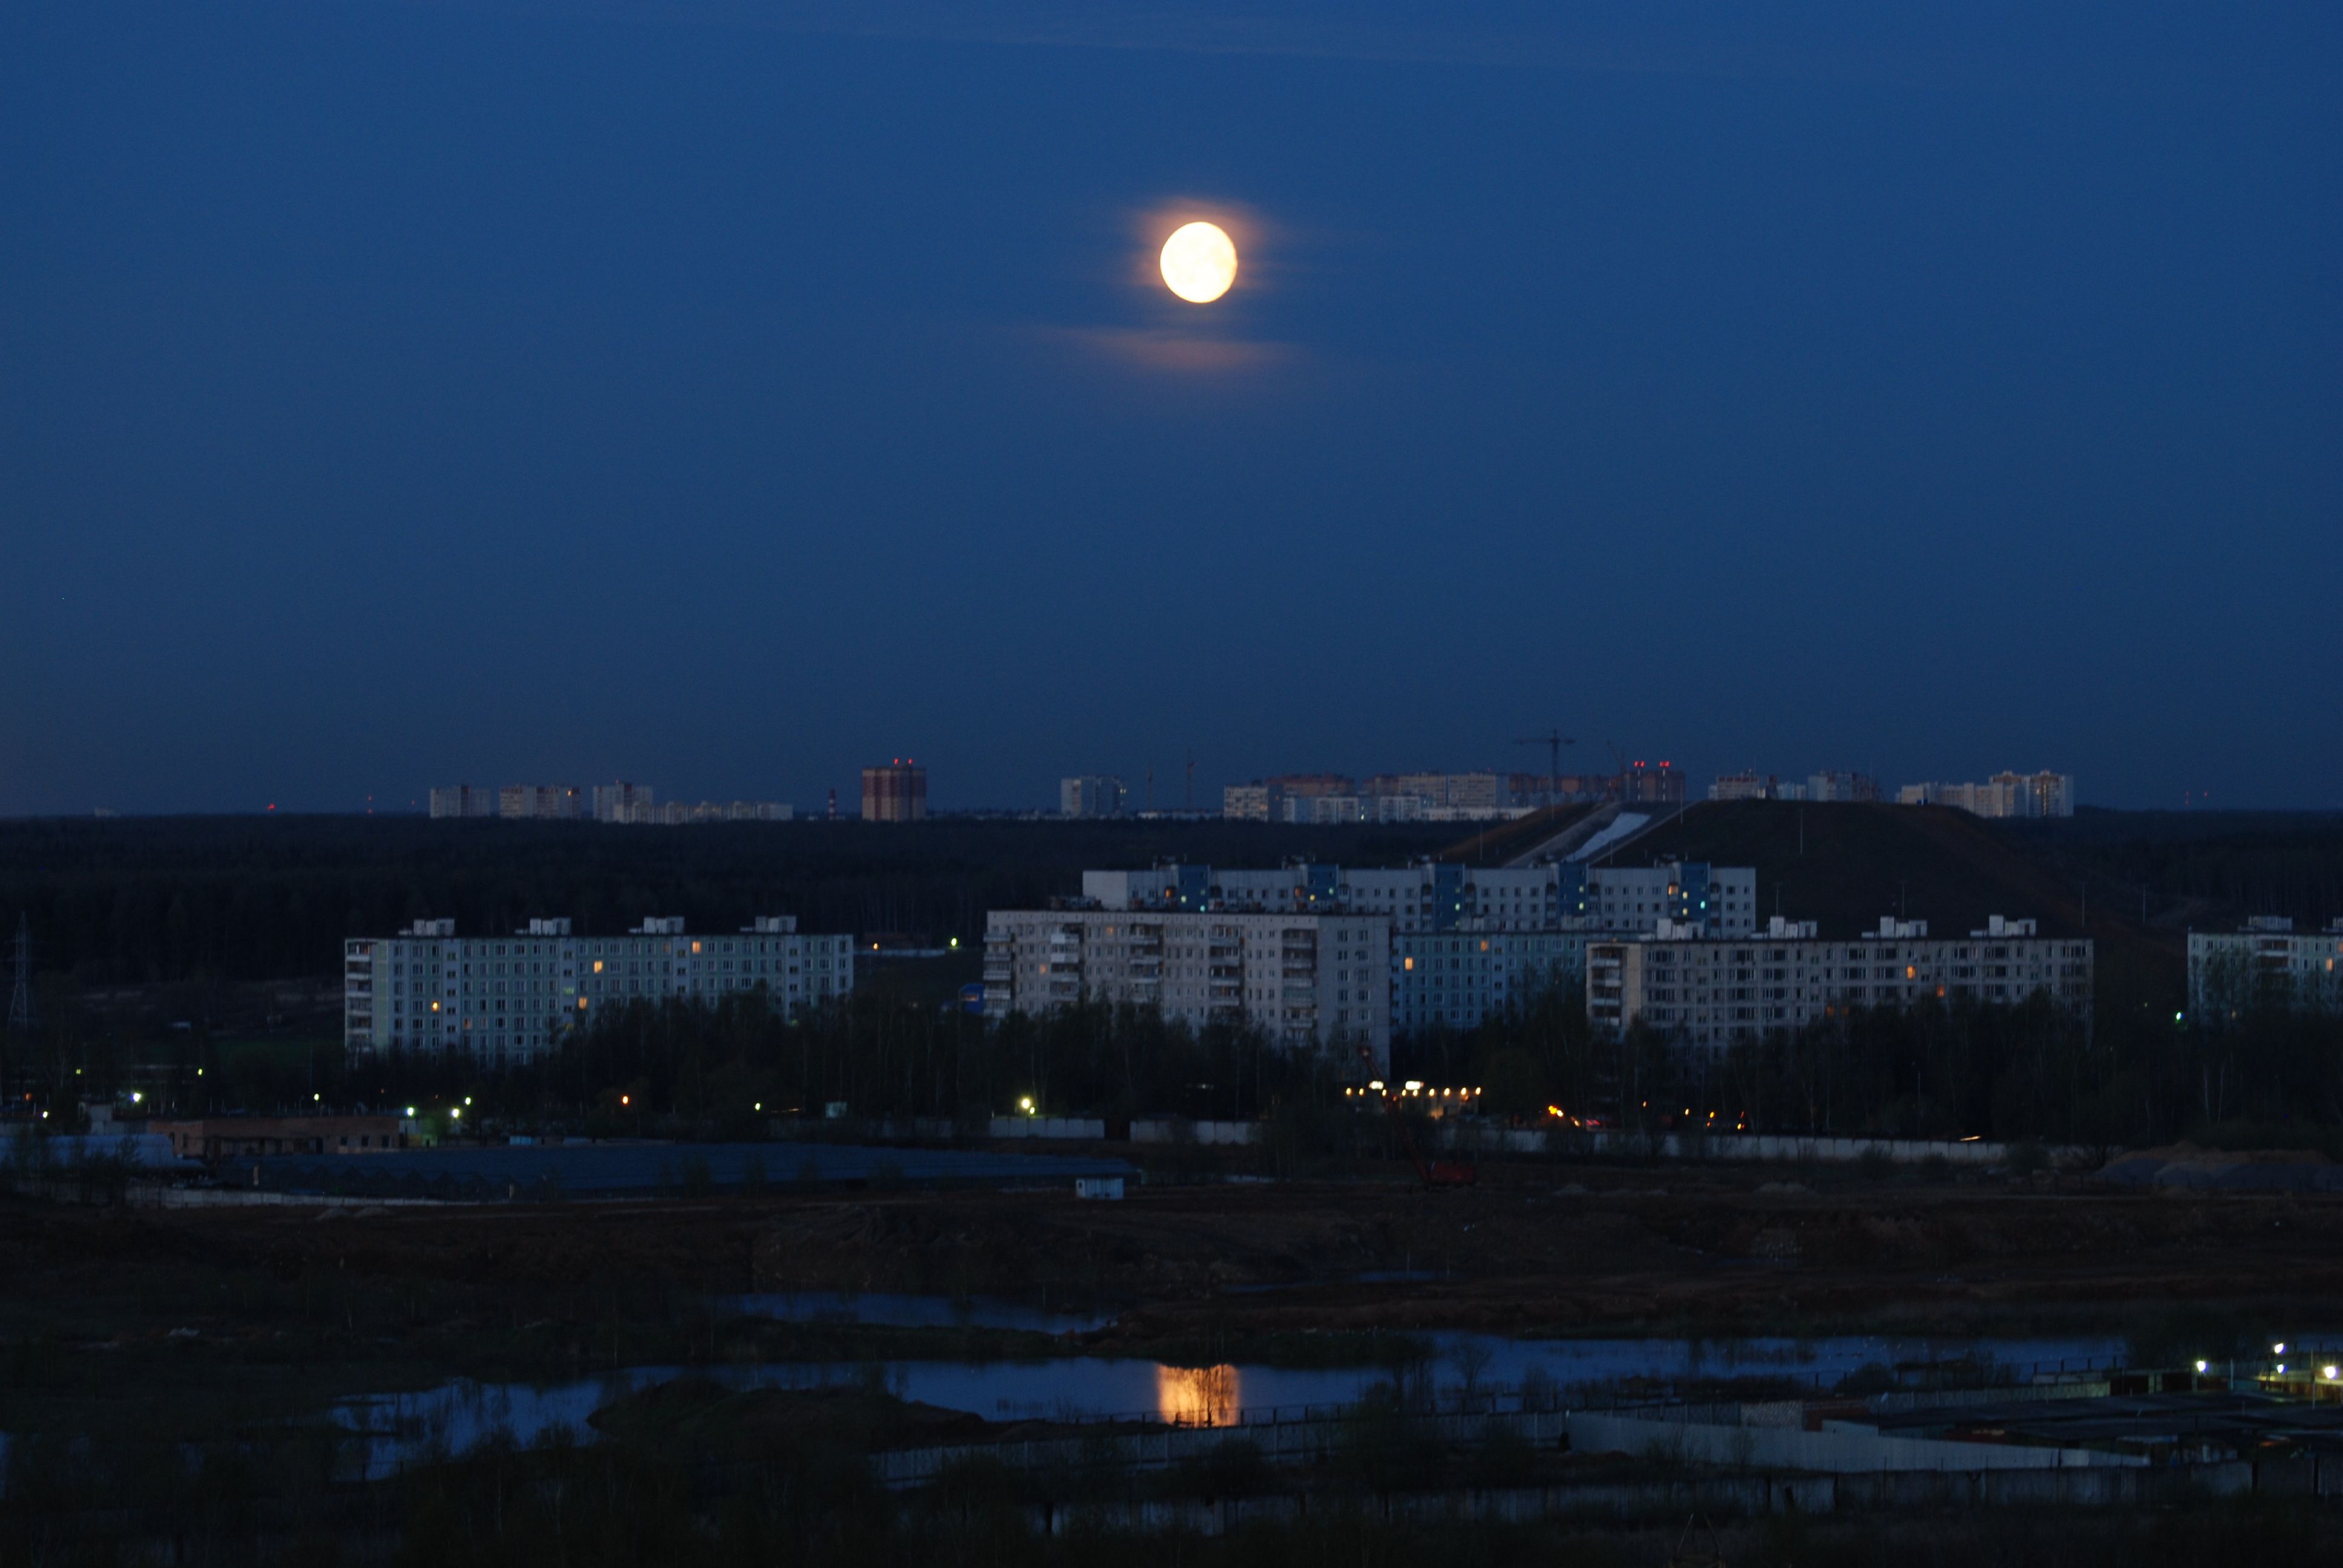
(1544, 1249)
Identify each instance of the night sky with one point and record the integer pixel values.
(726, 396)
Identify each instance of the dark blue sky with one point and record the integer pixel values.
(721, 396)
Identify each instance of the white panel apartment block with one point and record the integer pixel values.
(507, 998)
(2268, 964)
(1315, 979)
(1719, 993)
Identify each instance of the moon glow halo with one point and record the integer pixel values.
(1199, 262)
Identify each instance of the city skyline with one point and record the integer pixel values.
(1210, 794)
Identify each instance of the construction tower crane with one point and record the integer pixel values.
(1554, 740)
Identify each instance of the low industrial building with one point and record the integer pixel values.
(1720, 992)
(215, 1138)
(508, 999)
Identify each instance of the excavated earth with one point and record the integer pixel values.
(1542, 1250)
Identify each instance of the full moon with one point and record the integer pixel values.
(1199, 262)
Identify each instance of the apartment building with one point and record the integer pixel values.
(462, 800)
(2266, 963)
(623, 802)
(1434, 894)
(555, 802)
(1820, 787)
(1721, 992)
(1091, 795)
(2003, 795)
(1458, 976)
(897, 792)
(507, 998)
(1287, 799)
(1462, 942)
(1319, 981)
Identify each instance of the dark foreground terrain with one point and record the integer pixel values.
(1533, 1251)
(165, 1375)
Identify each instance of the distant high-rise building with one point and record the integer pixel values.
(1744, 787)
(622, 802)
(1829, 786)
(2044, 794)
(897, 792)
(562, 802)
(1255, 803)
(1660, 785)
(1091, 795)
(463, 800)
(2003, 795)
(1754, 786)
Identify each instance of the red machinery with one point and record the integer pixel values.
(1436, 1174)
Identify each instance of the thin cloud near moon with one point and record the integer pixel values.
(1167, 349)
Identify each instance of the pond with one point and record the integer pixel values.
(455, 1416)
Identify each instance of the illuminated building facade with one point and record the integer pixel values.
(508, 999)
(1721, 992)
(1302, 978)
(897, 792)
(2268, 964)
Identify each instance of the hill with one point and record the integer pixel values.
(2208, 869)
(1845, 864)
(147, 900)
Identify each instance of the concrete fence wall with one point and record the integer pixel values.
(1087, 1127)
(1718, 1497)
(1737, 1146)
(1279, 1443)
(1841, 1448)
(1467, 1136)
(1157, 1130)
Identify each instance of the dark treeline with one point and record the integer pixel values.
(2033, 1070)
(140, 901)
(2029, 1072)
(728, 1069)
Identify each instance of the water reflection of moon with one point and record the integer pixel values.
(1196, 1396)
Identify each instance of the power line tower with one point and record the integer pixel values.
(20, 997)
(19, 1031)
